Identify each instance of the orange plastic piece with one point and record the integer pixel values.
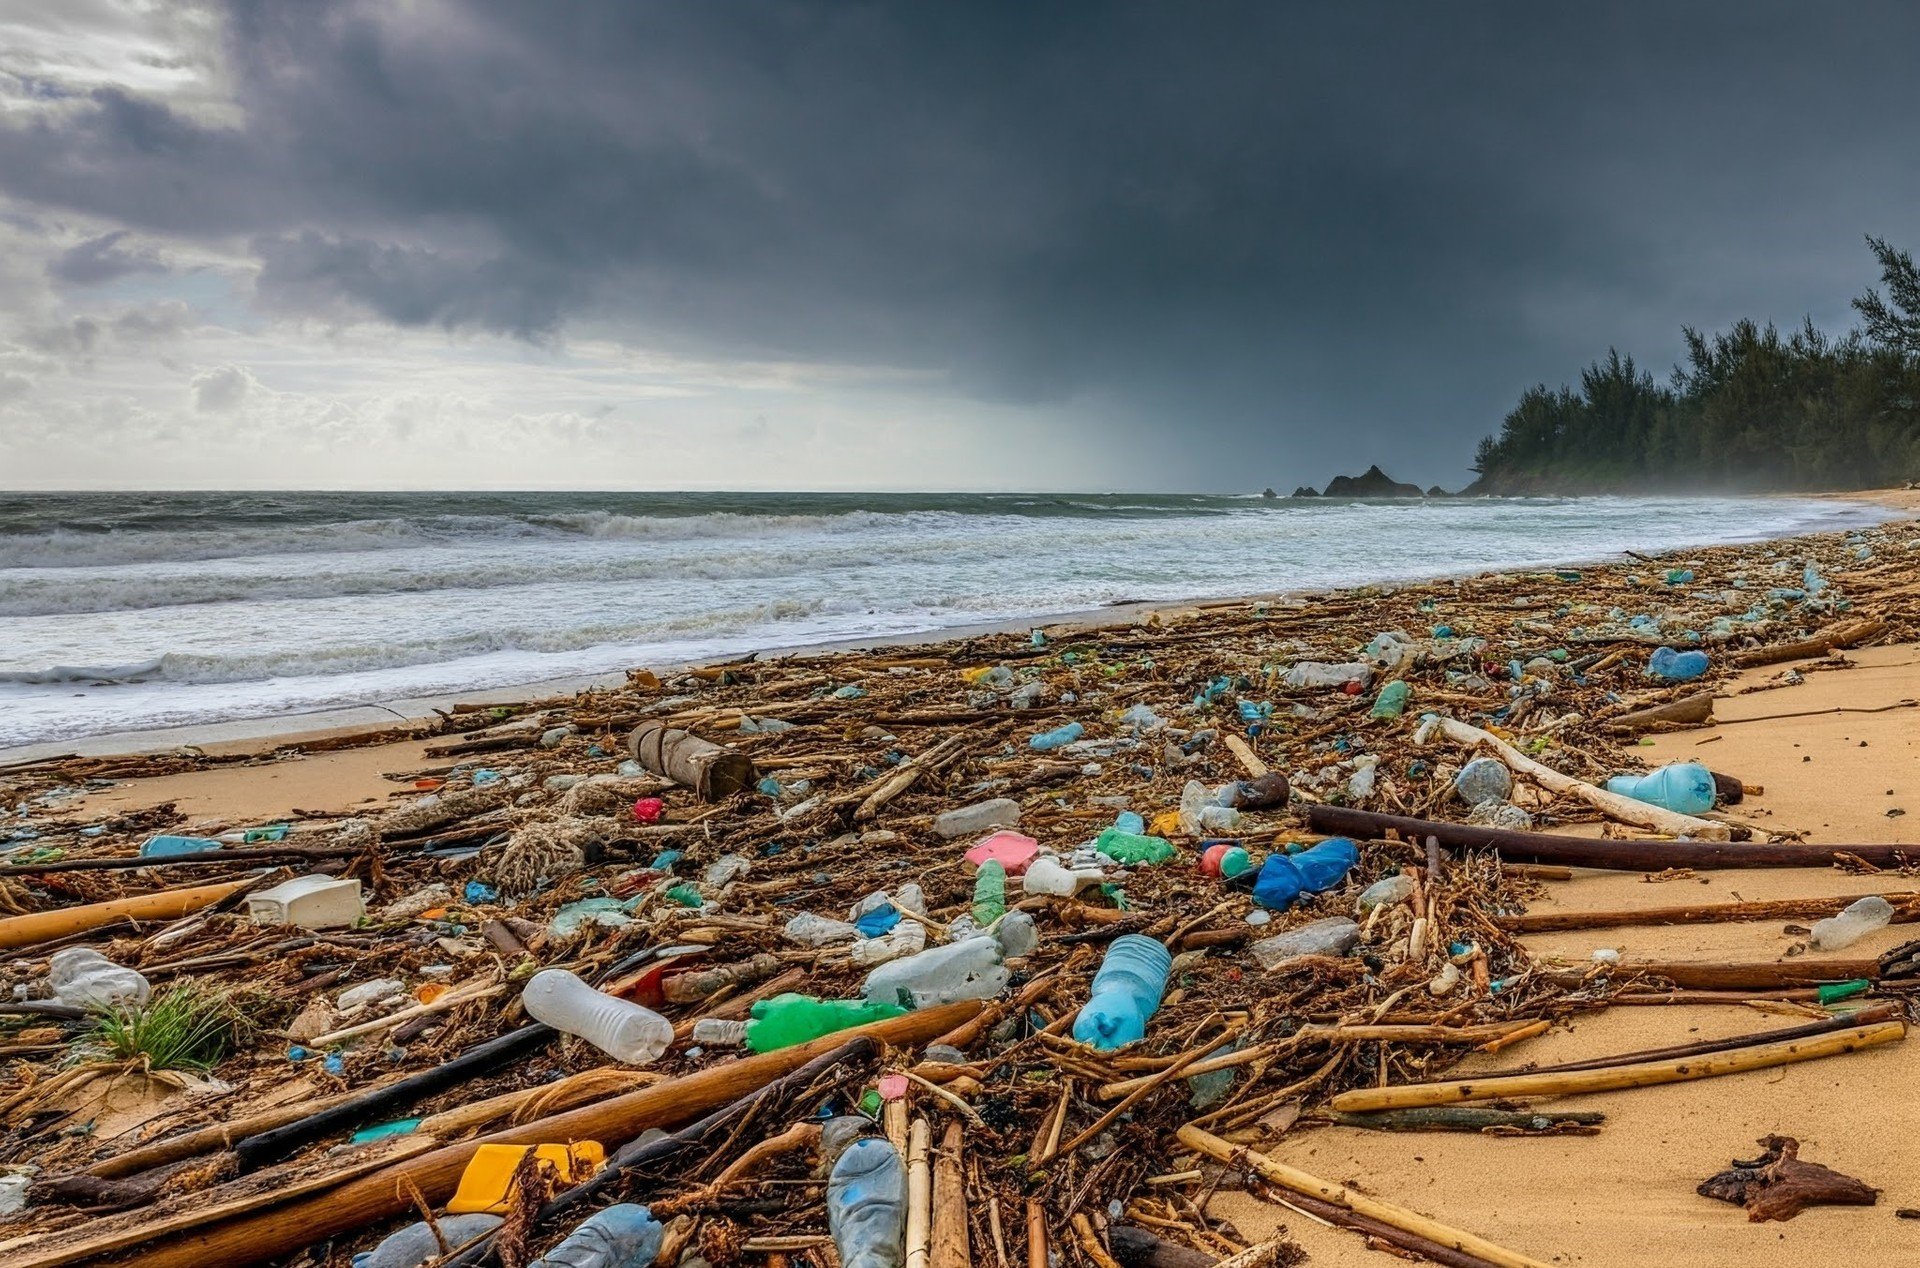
(484, 1184)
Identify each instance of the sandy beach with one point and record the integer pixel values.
(1838, 759)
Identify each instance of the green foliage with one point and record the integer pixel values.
(1749, 409)
(182, 1028)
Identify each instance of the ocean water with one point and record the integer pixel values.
(130, 611)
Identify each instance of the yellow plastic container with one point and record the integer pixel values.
(484, 1184)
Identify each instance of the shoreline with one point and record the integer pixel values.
(249, 734)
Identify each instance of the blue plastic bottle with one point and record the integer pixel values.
(167, 847)
(1675, 666)
(623, 1236)
(1059, 737)
(1685, 788)
(1126, 992)
(1283, 877)
(867, 1205)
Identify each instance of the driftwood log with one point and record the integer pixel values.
(1778, 1186)
(1620, 856)
(1690, 710)
(711, 770)
(168, 904)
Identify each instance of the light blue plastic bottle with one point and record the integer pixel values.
(1059, 737)
(867, 1205)
(1685, 788)
(1126, 992)
(623, 1236)
(415, 1244)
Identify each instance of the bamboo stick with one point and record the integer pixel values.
(1645, 1074)
(1036, 1234)
(1906, 909)
(1624, 809)
(919, 1194)
(1347, 1199)
(950, 1232)
(270, 1234)
(167, 904)
(1825, 1026)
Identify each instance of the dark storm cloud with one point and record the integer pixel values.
(102, 259)
(1286, 237)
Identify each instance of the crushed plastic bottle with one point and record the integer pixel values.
(1669, 665)
(1483, 779)
(867, 1205)
(622, 1236)
(370, 993)
(1130, 821)
(1059, 737)
(84, 978)
(1311, 674)
(1132, 849)
(968, 969)
(1392, 700)
(1201, 811)
(1861, 917)
(1365, 772)
(789, 1019)
(1386, 892)
(990, 893)
(1336, 935)
(416, 1244)
(810, 930)
(1283, 878)
(1047, 875)
(984, 816)
(624, 1030)
(1126, 992)
(1684, 787)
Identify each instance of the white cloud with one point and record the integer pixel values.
(224, 388)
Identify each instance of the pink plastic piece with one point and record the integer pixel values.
(649, 809)
(1013, 850)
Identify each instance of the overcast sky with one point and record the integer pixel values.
(442, 243)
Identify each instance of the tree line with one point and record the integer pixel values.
(1749, 409)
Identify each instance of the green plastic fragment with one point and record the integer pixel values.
(1837, 991)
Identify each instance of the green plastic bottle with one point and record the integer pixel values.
(1132, 848)
(990, 893)
(786, 1020)
(1392, 700)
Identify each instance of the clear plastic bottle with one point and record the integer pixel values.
(1335, 935)
(370, 993)
(1310, 674)
(810, 930)
(415, 1244)
(83, 977)
(696, 984)
(982, 816)
(968, 969)
(1126, 992)
(1861, 917)
(718, 1032)
(623, 1030)
(867, 1205)
(1201, 811)
(623, 1236)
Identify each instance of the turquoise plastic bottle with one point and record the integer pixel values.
(1126, 992)
(1685, 788)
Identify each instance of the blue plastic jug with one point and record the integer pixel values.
(1685, 788)
(1677, 666)
(1126, 991)
(1283, 877)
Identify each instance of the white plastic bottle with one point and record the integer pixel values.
(83, 977)
(968, 969)
(623, 1030)
(1049, 876)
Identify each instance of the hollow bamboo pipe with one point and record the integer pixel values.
(167, 904)
(1646, 1074)
(277, 1231)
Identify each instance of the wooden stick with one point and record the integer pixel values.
(1089, 1241)
(1690, 710)
(1347, 1199)
(919, 1195)
(1825, 1026)
(1766, 975)
(452, 999)
(1906, 909)
(1339, 1216)
(1620, 856)
(167, 904)
(271, 1234)
(950, 1232)
(211, 1138)
(1244, 754)
(1646, 1074)
(1624, 809)
(1036, 1234)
